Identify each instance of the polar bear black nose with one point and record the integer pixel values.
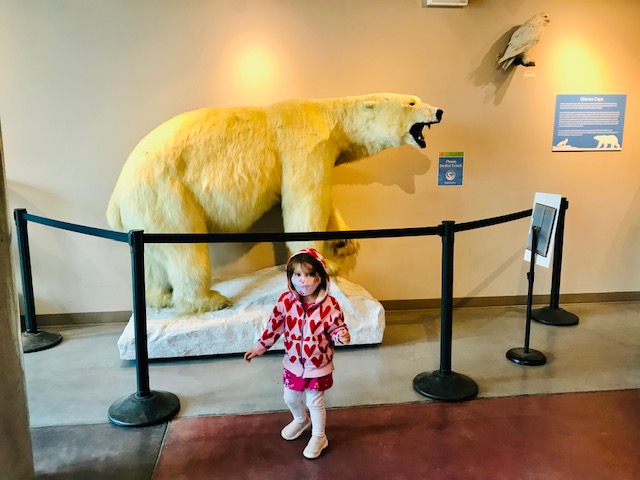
(439, 114)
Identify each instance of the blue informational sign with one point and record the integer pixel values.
(589, 122)
(450, 168)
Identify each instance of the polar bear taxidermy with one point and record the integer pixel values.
(218, 170)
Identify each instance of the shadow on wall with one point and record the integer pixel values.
(497, 272)
(489, 74)
(21, 195)
(395, 166)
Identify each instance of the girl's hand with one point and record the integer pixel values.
(250, 354)
(344, 337)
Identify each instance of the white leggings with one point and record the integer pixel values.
(314, 400)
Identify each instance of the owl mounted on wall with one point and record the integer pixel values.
(522, 40)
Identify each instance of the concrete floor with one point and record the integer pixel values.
(74, 383)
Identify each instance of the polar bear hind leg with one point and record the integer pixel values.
(189, 272)
(188, 265)
(158, 289)
(177, 275)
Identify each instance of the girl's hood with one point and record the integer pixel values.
(314, 253)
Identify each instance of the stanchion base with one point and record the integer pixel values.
(530, 358)
(138, 411)
(34, 342)
(449, 387)
(554, 316)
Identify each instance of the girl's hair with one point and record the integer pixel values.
(308, 260)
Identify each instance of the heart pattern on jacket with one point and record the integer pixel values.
(267, 334)
(324, 311)
(308, 333)
(288, 302)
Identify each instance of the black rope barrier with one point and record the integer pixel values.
(73, 227)
(488, 222)
(148, 407)
(286, 236)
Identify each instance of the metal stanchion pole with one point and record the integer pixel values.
(526, 355)
(553, 314)
(33, 340)
(445, 384)
(145, 407)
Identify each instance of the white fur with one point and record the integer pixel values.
(221, 169)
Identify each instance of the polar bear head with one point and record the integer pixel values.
(387, 120)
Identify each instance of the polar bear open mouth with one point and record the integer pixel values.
(416, 132)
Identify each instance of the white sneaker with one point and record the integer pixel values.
(315, 446)
(295, 429)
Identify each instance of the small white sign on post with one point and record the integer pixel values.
(546, 209)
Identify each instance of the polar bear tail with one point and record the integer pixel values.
(113, 215)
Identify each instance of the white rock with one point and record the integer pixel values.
(237, 328)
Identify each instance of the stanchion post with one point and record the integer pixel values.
(446, 302)
(535, 236)
(33, 340)
(553, 314)
(445, 384)
(136, 240)
(145, 407)
(527, 356)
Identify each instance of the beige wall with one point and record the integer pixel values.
(83, 81)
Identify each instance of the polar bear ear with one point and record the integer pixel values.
(369, 104)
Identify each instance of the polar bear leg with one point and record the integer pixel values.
(340, 247)
(177, 274)
(158, 289)
(189, 271)
(306, 206)
(341, 253)
(188, 265)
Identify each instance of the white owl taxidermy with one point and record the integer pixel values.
(522, 40)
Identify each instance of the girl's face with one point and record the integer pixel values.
(305, 281)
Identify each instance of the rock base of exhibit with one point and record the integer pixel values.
(237, 328)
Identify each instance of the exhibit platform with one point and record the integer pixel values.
(237, 328)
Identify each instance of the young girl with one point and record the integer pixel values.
(312, 322)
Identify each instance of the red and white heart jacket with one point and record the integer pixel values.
(309, 333)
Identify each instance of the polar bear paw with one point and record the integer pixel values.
(158, 298)
(343, 248)
(210, 302)
(332, 268)
(342, 255)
